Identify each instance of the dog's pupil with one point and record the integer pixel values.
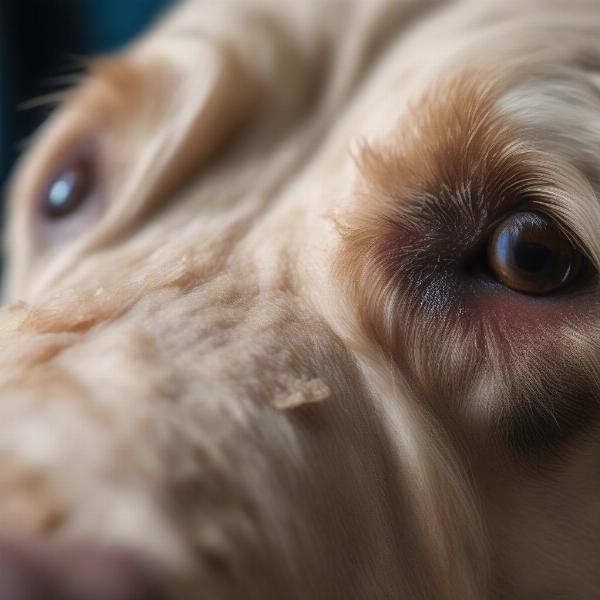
(68, 190)
(532, 257)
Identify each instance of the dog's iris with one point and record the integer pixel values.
(529, 253)
(68, 190)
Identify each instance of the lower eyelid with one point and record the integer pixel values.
(56, 231)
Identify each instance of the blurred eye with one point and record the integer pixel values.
(69, 189)
(529, 254)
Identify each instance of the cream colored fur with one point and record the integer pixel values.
(201, 366)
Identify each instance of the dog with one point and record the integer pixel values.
(302, 302)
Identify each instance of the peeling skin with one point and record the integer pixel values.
(309, 392)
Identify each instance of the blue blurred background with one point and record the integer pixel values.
(38, 42)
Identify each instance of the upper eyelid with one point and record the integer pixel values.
(546, 185)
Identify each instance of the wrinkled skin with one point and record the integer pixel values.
(196, 368)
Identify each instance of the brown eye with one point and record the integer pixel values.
(529, 254)
(68, 190)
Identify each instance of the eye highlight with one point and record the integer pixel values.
(69, 189)
(529, 254)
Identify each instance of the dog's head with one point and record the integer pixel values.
(306, 306)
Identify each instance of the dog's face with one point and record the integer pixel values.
(319, 320)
